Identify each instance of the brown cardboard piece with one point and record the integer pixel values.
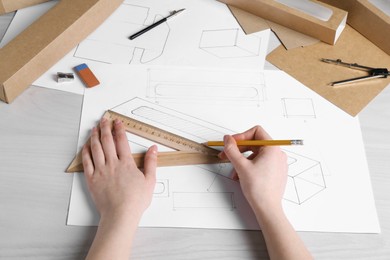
(294, 19)
(368, 20)
(251, 23)
(7, 6)
(47, 40)
(304, 65)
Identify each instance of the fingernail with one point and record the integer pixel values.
(117, 121)
(103, 120)
(153, 149)
(227, 140)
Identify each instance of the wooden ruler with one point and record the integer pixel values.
(188, 152)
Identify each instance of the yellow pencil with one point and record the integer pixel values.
(257, 142)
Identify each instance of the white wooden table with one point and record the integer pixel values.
(38, 136)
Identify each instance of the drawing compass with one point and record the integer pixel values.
(373, 73)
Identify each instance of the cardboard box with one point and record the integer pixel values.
(7, 6)
(47, 40)
(275, 11)
(367, 19)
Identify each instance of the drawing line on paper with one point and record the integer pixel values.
(170, 120)
(305, 178)
(298, 108)
(305, 175)
(202, 86)
(229, 43)
(113, 46)
(161, 189)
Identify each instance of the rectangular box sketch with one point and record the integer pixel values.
(229, 43)
(203, 200)
(203, 86)
(298, 107)
(305, 178)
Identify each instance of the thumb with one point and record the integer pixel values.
(150, 163)
(233, 153)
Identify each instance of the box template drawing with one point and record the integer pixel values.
(305, 178)
(305, 175)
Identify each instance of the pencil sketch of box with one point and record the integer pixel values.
(298, 108)
(229, 43)
(305, 178)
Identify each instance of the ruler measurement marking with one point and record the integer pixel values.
(189, 152)
(160, 135)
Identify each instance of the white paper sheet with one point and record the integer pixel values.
(205, 34)
(328, 187)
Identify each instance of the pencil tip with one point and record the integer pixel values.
(297, 142)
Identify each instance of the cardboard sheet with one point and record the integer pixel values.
(304, 64)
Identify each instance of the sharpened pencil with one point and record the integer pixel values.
(257, 142)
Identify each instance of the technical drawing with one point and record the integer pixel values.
(229, 43)
(298, 108)
(114, 47)
(203, 200)
(170, 120)
(305, 178)
(161, 189)
(202, 86)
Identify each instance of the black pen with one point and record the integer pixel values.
(173, 13)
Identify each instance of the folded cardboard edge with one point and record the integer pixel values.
(362, 15)
(51, 47)
(2, 94)
(294, 19)
(7, 6)
(350, 98)
(2, 9)
(373, 16)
